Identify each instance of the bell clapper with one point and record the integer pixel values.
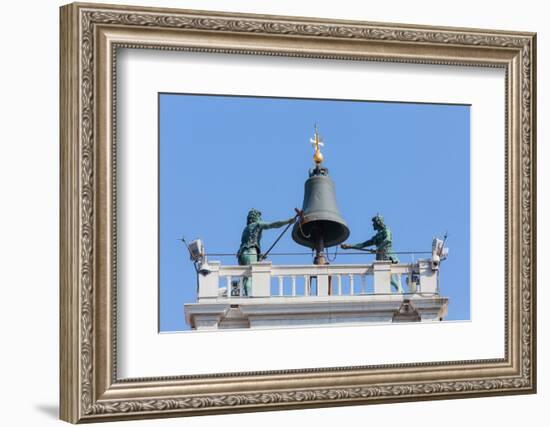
(319, 246)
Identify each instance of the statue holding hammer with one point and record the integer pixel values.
(382, 240)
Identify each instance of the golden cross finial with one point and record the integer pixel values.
(317, 142)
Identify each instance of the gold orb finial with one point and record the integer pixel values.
(318, 157)
(317, 142)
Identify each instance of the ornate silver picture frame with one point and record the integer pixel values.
(91, 37)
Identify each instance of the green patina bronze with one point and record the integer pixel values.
(250, 250)
(382, 240)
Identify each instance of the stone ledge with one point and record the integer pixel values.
(296, 311)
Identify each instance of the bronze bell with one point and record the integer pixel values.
(321, 225)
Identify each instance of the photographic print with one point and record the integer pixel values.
(289, 212)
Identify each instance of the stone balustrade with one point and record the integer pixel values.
(218, 281)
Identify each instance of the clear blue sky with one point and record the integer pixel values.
(222, 155)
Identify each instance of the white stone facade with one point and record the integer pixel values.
(304, 295)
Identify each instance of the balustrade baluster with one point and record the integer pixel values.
(351, 290)
(228, 281)
(280, 286)
(306, 285)
(339, 279)
(241, 286)
(293, 286)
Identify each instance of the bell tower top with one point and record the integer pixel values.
(317, 142)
